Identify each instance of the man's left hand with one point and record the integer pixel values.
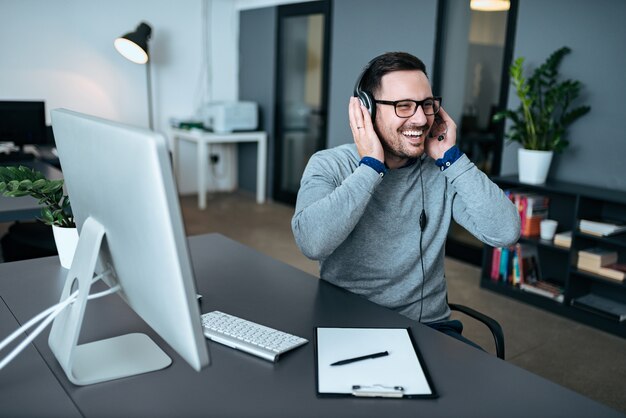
(444, 128)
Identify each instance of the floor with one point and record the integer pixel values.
(576, 356)
(579, 357)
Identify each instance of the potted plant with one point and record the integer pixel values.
(541, 121)
(55, 205)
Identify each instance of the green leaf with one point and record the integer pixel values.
(574, 114)
(16, 193)
(46, 214)
(52, 186)
(39, 184)
(26, 185)
(11, 173)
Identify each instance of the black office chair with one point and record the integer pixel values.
(492, 324)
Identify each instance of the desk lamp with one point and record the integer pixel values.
(134, 47)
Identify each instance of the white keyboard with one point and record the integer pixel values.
(244, 335)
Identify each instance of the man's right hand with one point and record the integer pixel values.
(365, 138)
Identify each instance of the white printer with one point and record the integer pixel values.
(229, 116)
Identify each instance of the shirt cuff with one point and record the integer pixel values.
(377, 165)
(449, 157)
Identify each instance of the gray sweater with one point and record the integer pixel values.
(364, 229)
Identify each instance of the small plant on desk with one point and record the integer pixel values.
(24, 181)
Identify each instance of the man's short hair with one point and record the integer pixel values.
(387, 63)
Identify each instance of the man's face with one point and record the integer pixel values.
(402, 138)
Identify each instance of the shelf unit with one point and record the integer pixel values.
(569, 203)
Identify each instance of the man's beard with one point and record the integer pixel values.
(399, 153)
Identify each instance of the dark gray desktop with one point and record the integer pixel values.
(236, 279)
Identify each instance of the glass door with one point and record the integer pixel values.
(301, 92)
(472, 57)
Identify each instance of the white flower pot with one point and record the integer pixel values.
(66, 240)
(533, 165)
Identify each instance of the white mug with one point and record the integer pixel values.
(548, 229)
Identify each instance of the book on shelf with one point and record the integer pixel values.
(563, 239)
(495, 263)
(530, 270)
(501, 264)
(532, 208)
(601, 228)
(545, 289)
(531, 227)
(515, 265)
(604, 306)
(596, 257)
(505, 264)
(615, 271)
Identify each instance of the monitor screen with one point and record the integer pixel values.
(23, 122)
(120, 182)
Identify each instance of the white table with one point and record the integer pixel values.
(203, 140)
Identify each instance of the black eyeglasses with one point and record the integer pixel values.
(407, 108)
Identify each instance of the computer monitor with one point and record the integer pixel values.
(120, 182)
(23, 122)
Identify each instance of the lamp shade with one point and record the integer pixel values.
(134, 45)
(490, 5)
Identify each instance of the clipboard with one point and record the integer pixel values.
(400, 373)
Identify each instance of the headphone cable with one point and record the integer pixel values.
(422, 226)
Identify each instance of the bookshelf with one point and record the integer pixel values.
(568, 203)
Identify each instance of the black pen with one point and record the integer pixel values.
(352, 360)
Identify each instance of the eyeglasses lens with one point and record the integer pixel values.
(407, 108)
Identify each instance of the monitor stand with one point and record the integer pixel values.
(103, 360)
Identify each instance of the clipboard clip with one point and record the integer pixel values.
(378, 391)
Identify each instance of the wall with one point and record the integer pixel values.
(257, 63)
(62, 52)
(363, 29)
(595, 32)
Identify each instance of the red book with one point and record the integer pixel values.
(495, 263)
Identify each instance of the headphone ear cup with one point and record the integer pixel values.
(368, 102)
(365, 96)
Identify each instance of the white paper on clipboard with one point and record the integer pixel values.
(401, 369)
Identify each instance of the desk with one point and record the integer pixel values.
(236, 279)
(25, 208)
(27, 386)
(203, 140)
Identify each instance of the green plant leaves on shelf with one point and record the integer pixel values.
(24, 181)
(543, 116)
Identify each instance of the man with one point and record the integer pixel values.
(376, 213)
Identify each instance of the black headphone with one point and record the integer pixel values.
(366, 97)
